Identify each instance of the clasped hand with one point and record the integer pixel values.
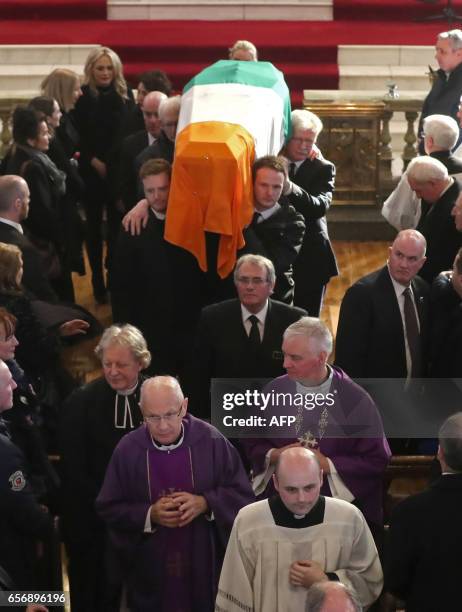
(306, 573)
(178, 509)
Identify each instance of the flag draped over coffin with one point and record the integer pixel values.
(230, 113)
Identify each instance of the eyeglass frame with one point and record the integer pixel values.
(157, 419)
(258, 282)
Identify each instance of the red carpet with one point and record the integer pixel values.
(305, 51)
(53, 9)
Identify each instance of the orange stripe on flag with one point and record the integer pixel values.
(211, 190)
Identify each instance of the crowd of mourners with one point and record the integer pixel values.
(147, 490)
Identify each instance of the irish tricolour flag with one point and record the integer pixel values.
(230, 113)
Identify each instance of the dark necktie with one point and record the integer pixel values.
(255, 218)
(412, 333)
(292, 170)
(254, 336)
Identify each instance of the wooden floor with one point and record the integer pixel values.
(355, 259)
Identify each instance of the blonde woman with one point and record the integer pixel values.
(99, 116)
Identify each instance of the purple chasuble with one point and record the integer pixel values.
(205, 464)
(169, 472)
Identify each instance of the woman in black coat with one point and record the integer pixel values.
(100, 115)
(47, 185)
(61, 151)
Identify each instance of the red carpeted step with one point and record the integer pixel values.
(305, 51)
(303, 40)
(53, 9)
(389, 10)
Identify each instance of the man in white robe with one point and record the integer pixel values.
(281, 546)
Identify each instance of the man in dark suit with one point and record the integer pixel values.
(14, 208)
(430, 180)
(309, 190)
(164, 146)
(425, 537)
(445, 93)
(277, 229)
(383, 316)
(241, 338)
(133, 145)
(152, 277)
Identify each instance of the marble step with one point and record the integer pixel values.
(53, 55)
(28, 77)
(386, 55)
(219, 10)
(367, 77)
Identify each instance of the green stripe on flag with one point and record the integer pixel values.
(257, 74)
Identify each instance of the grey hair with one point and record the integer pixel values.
(454, 37)
(244, 45)
(257, 260)
(443, 129)
(311, 327)
(306, 120)
(317, 594)
(169, 104)
(125, 335)
(424, 169)
(161, 381)
(450, 440)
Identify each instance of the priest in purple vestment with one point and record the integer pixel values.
(170, 495)
(334, 417)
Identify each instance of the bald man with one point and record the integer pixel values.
(380, 312)
(172, 490)
(280, 547)
(134, 144)
(14, 208)
(331, 597)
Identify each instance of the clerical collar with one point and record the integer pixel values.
(158, 215)
(123, 410)
(323, 387)
(169, 447)
(17, 226)
(129, 391)
(283, 517)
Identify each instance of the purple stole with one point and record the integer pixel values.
(169, 472)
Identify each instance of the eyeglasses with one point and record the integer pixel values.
(245, 280)
(168, 418)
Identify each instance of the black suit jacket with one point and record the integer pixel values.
(425, 540)
(278, 238)
(443, 98)
(452, 163)
(155, 286)
(445, 329)
(370, 334)
(443, 240)
(316, 262)
(130, 148)
(34, 278)
(222, 346)
(163, 148)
